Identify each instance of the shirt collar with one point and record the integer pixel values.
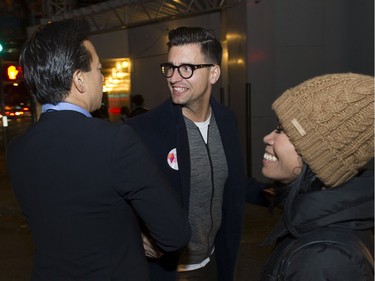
(65, 106)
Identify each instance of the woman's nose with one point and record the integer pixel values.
(268, 139)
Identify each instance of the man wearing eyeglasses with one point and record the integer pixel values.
(195, 141)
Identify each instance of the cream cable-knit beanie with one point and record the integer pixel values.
(330, 121)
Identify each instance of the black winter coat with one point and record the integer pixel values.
(348, 208)
(81, 185)
(163, 129)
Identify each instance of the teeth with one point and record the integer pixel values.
(269, 157)
(179, 89)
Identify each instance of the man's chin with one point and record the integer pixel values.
(178, 100)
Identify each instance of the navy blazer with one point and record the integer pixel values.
(82, 184)
(163, 129)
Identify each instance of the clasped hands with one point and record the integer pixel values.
(151, 250)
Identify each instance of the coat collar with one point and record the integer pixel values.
(349, 206)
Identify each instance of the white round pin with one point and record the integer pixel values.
(172, 159)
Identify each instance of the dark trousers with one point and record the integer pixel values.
(207, 273)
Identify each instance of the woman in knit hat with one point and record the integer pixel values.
(318, 156)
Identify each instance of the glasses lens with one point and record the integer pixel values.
(185, 70)
(167, 70)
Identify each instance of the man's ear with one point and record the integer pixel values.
(215, 74)
(79, 81)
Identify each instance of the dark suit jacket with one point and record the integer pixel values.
(163, 129)
(82, 183)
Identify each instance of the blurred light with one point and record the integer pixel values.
(115, 110)
(233, 36)
(125, 64)
(12, 72)
(118, 79)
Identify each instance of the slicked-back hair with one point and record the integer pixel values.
(210, 46)
(50, 57)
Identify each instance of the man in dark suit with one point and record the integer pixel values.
(83, 183)
(195, 141)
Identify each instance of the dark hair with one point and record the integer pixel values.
(51, 56)
(125, 110)
(302, 184)
(137, 100)
(210, 46)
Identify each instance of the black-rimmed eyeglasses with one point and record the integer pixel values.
(185, 70)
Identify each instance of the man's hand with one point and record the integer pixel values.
(151, 250)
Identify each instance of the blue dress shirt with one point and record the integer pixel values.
(65, 106)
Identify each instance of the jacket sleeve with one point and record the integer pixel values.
(137, 178)
(328, 262)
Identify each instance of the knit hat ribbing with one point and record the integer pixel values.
(330, 121)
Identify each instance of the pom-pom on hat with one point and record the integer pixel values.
(330, 121)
